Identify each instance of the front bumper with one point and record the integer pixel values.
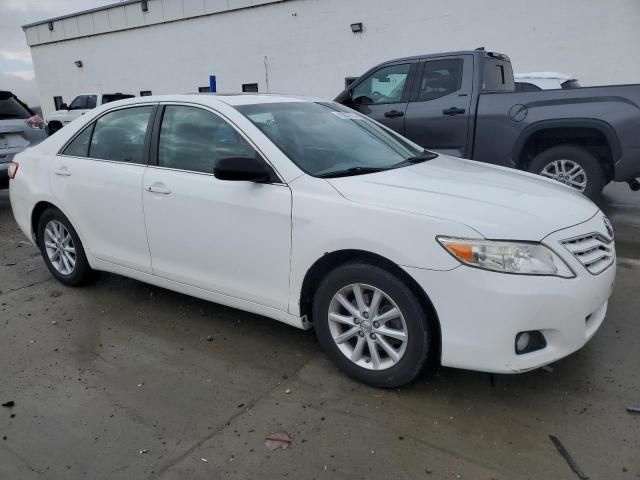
(482, 312)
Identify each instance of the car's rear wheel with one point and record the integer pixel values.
(372, 325)
(572, 165)
(62, 249)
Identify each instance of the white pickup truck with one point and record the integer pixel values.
(79, 106)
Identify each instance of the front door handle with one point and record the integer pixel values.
(394, 114)
(453, 111)
(62, 172)
(157, 188)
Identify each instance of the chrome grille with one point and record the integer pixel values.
(594, 251)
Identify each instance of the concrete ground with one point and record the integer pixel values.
(122, 380)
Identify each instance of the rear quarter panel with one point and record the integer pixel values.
(504, 119)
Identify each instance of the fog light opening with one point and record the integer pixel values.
(527, 342)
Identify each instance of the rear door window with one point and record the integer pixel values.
(11, 108)
(440, 78)
(120, 135)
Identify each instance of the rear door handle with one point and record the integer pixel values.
(394, 114)
(453, 111)
(62, 172)
(157, 188)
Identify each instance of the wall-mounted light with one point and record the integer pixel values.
(144, 6)
(50, 24)
(357, 27)
(78, 63)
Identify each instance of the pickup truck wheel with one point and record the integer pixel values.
(572, 165)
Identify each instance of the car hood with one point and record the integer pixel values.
(497, 202)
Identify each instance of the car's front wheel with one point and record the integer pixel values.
(62, 249)
(372, 325)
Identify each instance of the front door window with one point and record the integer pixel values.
(384, 86)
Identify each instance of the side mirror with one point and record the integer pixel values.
(63, 106)
(346, 97)
(242, 169)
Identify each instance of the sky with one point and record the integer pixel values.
(16, 68)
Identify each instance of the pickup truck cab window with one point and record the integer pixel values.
(440, 78)
(497, 75)
(112, 97)
(83, 102)
(386, 85)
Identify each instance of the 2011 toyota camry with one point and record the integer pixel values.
(314, 215)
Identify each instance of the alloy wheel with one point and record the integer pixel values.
(60, 248)
(368, 327)
(568, 172)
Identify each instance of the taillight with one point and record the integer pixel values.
(13, 170)
(35, 122)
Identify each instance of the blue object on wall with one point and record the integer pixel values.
(213, 88)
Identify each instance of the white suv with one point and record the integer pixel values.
(79, 106)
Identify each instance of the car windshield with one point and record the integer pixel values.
(328, 140)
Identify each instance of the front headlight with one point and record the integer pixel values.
(507, 257)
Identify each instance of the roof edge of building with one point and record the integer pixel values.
(82, 12)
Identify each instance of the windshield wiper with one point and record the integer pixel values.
(352, 171)
(423, 157)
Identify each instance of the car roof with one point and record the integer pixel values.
(213, 99)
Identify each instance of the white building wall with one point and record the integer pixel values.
(309, 48)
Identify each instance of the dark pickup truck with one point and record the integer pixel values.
(464, 104)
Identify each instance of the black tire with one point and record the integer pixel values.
(53, 127)
(590, 164)
(82, 272)
(420, 333)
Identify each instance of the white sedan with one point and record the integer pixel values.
(308, 213)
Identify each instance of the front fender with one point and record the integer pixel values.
(323, 221)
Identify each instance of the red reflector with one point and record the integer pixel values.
(35, 122)
(13, 170)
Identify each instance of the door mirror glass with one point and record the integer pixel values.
(248, 169)
(63, 106)
(384, 86)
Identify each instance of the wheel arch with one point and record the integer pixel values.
(595, 135)
(39, 208)
(331, 260)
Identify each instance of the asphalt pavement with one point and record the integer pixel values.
(122, 380)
